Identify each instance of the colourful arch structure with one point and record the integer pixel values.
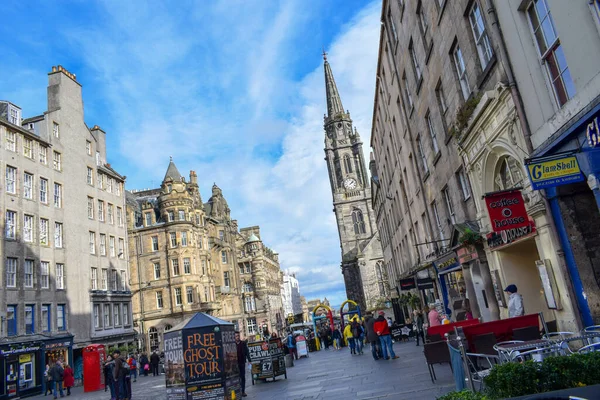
(316, 318)
(342, 313)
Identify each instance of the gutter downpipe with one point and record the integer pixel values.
(559, 236)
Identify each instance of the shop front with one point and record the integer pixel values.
(22, 369)
(567, 168)
(452, 284)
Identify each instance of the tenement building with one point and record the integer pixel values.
(60, 292)
(290, 295)
(362, 258)
(182, 256)
(554, 49)
(261, 282)
(459, 221)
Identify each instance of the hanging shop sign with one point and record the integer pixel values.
(506, 210)
(593, 133)
(407, 284)
(466, 254)
(499, 239)
(545, 173)
(449, 261)
(425, 283)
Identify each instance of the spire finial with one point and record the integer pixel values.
(170, 158)
(324, 54)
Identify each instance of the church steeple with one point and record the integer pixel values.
(334, 101)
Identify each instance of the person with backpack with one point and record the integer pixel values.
(132, 367)
(120, 371)
(57, 373)
(109, 381)
(372, 337)
(358, 335)
(144, 364)
(350, 338)
(291, 345)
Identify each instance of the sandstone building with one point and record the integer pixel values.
(362, 258)
(63, 249)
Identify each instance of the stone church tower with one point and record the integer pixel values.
(362, 256)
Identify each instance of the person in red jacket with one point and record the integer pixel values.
(69, 379)
(383, 331)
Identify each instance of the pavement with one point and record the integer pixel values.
(327, 375)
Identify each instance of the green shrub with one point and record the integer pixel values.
(513, 379)
(464, 395)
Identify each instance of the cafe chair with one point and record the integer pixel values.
(562, 343)
(484, 344)
(552, 327)
(480, 366)
(526, 334)
(503, 356)
(594, 329)
(436, 353)
(436, 337)
(590, 348)
(537, 355)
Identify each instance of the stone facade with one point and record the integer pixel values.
(53, 169)
(182, 255)
(291, 295)
(261, 282)
(362, 257)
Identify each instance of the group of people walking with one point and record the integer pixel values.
(59, 376)
(119, 371)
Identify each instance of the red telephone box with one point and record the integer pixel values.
(94, 357)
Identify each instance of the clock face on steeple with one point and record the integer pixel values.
(350, 183)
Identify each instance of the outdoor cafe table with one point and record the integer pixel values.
(509, 351)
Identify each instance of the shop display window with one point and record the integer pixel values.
(26, 371)
(455, 282)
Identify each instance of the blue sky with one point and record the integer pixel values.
(231, 89)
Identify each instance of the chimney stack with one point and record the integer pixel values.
(193, 178)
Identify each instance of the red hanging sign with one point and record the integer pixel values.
(506, 210)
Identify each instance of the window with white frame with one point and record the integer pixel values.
(114, 280)
(173, 237)
(170, 216)
(111, 245)
(432, 133)
(100, 210)
(100, 180)
(88, 147)
(449, 206)
(27, 147)
(11, 179)
(121, 253)
(116, 314)
(125, 314)
(118, 188)
(28, 186)
(463, 180)
(61, 320)
(482, 41)
(203, 266)
(11, 272)
(45, 274)
(92, 243)
(46, 324)
(159, 300)
(44, 190)
(550, 50)
(10, 228)
(189, 292)
(60, 276)
(107, 316)
(104, 281)
(251, 325)
(11, 141)
(55, 130)
(415, 63)
(57, 195)
(181, 215)
(423, 25)
(156, 270)
(175, 265)
(28, 228)
(57, 160)
(223, 257)
(109, 185)
(94, 278)
(119, 216)
(148, 217)
(96, 316)
(187, 266)
(43, 154)
(461, 71)
(178, 299)
(154, 243)
(28, 273)
(441, 98)
(184, 239)
(102, 244)
(407, 96)
(392, 25)
(90, 176)
(438, 221)
(422, 155)
(58, 235)
(110, 210)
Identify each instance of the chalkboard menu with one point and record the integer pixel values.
(267, 358)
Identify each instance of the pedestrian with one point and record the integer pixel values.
(389, 322)
(350, 338)
(57, 373)
(109, 381)
(337, 338)
(144, 364)
(383, 331)
(433, 316)
(372, 337)
(132, 367)
(120, 371)
(419, 320)
(154, 361)
(48, 380)
(242, 355)
(291, 344)
(69, 378)
(515, 302)
(358, 334)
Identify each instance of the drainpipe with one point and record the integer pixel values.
(559, 238)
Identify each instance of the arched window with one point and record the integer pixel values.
(358, 221)
(153, 337)
(168, 327)
(508, 174)
(348, 164)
